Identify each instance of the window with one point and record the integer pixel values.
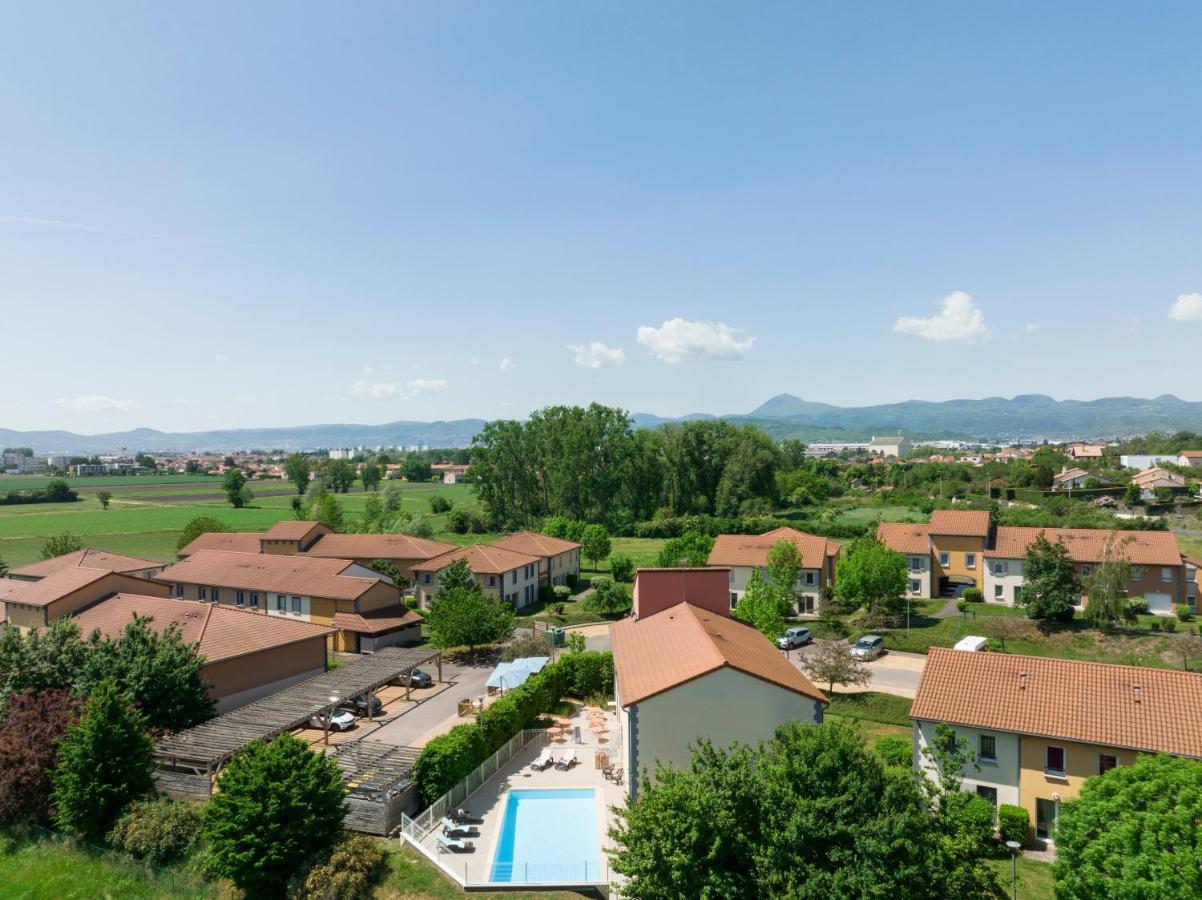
(1137, 573)
(915, 586)
(513, 578)
(1087, 570)
(1053, 761)
(1018, 595)
(216, 595)
(179, 591)
(1045, 819)
(915, 563)
(254, 600)
(1001, 567)
(989, 793)
(492, 580)
(296, 605)
(200, 592)
(734, 599)
(998, 591)
(945, 559)
(970, 560)
(810, 578)
(240, 598)
(281, 603)
(428, 578)
(987, 748)
(1106, 762)
(1166, 575)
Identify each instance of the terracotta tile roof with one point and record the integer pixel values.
(535, 544)
(905, 537)
(1191, 454)
(290, 530)
(63, 583)
(1157, 475)
(1088, 545)
(308, 575)
(222, 632)
(487, 559)
(1064, 698)
(377, 621)
(376, 546)
(960, 522)
(86, 558)
(1069, 474)
(234, 541)
(752, 549)
(659, 652)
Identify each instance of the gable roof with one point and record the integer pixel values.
(233, 541)
(1088, 545)
(62, 584)
(657, 653)
(535, 544)
(752, 549)
(222, 632)
(86, 558)
(1156, 473)
(1191, 454)
(376, 546)
(1070, 474)
(290, 530)
(905, 537)
(960, 522)
(485, 559)
(1155, 710)
(308, 575)
(376, 621)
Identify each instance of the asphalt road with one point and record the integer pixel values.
(893, 673)
(436, 713)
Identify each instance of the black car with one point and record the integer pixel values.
(420, 679)
(359, 706)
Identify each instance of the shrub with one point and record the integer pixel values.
(1169, 625)
(527, 645)
(60, 545)
(561, 592)
(1138, 606)
(962, 605)
(500, 721)
(1184, 613)
(440, 504)
(974, 595)
(447, 759)
(157, 831)
(29, 742)
(459, 521)
(621, 567)
(198, 526)
(895, 750)
(1013, 823)
(346, 875)
(587, 673)
(1155, 625)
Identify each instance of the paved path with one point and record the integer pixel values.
(436, 714)
(894, 673)
(948, 611)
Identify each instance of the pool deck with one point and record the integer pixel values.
(489, 801)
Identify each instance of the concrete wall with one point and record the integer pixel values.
(560, 566)
(1006, 575)
(1002, 775)
(1081, 762)
(918, 569)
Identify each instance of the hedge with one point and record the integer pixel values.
(1013, 823)
(449, 758)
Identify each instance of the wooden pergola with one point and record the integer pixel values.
(194, 756)
(379, 784)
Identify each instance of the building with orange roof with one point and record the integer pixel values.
(505, 574)
(1040, 727)
(30, 605)
(687, 673)
(744, 554)
(657, 589)
(88, 558)
(559, 560)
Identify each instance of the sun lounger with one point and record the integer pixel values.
(544, 761)
(454, 845)
(566, 761)
(462, 817)
(452, 828)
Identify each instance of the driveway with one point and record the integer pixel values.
(894, 673)
(437, 712)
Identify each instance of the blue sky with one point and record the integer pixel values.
(217, 215)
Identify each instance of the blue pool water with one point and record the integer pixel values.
(549, 836)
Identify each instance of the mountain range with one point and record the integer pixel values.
(1027, 416)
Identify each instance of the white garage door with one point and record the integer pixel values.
(1161, 604)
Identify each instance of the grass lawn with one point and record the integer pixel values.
(410, 876)
(862, 515)
(1034, 878)
(644, 552)
(872, 706)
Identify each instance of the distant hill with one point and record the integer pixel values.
(784, 416)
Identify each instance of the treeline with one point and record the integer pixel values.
(590, 464)
(55, 491)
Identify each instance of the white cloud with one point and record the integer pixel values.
(507, 364)
(678, 340)
(1032, 327)
(1188, 308)
(595, 354)
(221, 357)
(959, 319)
(384, 390)
(96, 403)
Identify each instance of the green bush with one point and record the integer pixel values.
(157, 831)
(1184, 613)
(974, 595)
(440, 504)
(500, 721)
(588, 673)
(1013, 823)
(1169, 625)
(447, 759)
(1138, 606)
(895, 750)
(561, 593)
(1154, 625)
(621, 567)
(346, 875)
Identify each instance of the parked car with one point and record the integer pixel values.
(359, 706)
(870, 646)
(340, 720)
(420, 679)
(794, 637)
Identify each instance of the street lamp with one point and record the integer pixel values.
(333, 698)
(1014, 847)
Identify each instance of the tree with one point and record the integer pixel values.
(198, 526)
(457, 577)
(831, 663)
(1107, 587)
(30, 734)
(105, 497)
(370, 475)
(340, 474)
(105, 762)
(1187, 646)
(1050, 581)
(440, 504)
(1003, 628)
(690, 549)
(58, 491)
(60, 545)
(621, 567)
(873, 578)
(595, 543)
(3, 567)
(299, 471)
(467, 617)
(277, 804)
(1131, 494)
(234, 485)
(417, 469)
(763, 606)
(607, 596)
(324, 507)
(784, 563)
(1133, 832)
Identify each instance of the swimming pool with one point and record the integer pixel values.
(548, 836)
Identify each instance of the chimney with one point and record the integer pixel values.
(1022, 681)
(1138, 692)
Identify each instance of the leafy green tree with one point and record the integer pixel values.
(784, 564)
(324, 507)
(1131, 494)
(299, 471)
(198, 526)
(1133, 832)
(58, 491)
(457, 577)
(831, 663)
(464, 616)
(440, 504)
(341, 475)
(607, 596)
(105, 762)
(60, 545)
(1050, 586)
(595, 543)
(621, 567)
(277, 804)
(1107, 587)
(690, 549)
(234, 485)
(763, 606)
(872, 578)
(370, 475)
(105, 497)
(417, 470)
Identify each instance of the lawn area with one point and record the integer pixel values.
(644, 552)
(411, 877)
(862, 515)
(1034, 878)
(872, 706)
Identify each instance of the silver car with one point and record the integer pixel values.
(794, 637)
(870, 646)
(340, 720)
